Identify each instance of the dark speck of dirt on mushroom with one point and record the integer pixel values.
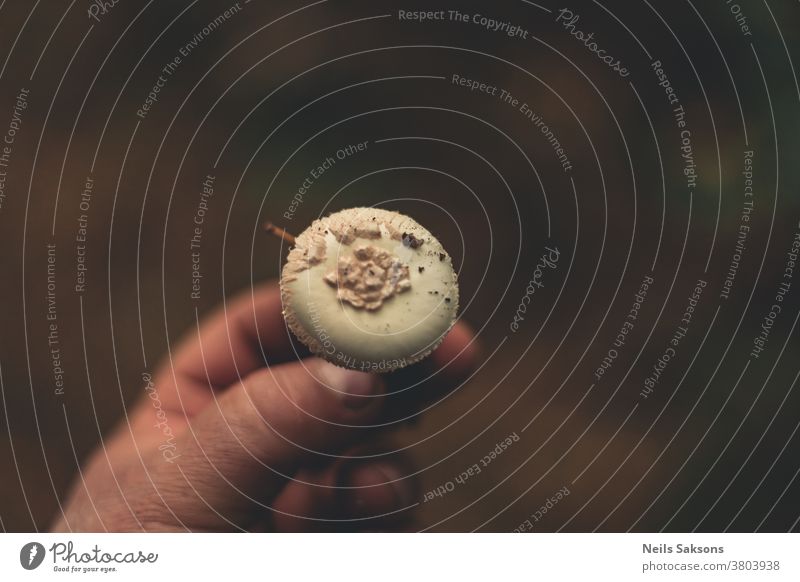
(441, 256)
(421, 269)
(410, 240)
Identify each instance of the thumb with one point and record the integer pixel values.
(244, 446)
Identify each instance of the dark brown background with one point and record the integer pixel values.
(140, 220)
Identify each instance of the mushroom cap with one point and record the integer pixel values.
(369, 289)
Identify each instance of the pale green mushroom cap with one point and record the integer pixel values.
(369, 289)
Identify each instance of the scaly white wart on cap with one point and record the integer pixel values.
(369, 289)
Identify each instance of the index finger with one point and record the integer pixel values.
(239, 337)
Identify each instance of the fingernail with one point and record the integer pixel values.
(356, 389)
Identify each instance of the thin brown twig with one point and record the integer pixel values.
(276, 230)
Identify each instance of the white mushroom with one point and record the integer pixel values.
(369, 289)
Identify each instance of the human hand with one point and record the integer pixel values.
(237, 433)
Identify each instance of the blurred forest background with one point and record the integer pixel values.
(360, 74)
